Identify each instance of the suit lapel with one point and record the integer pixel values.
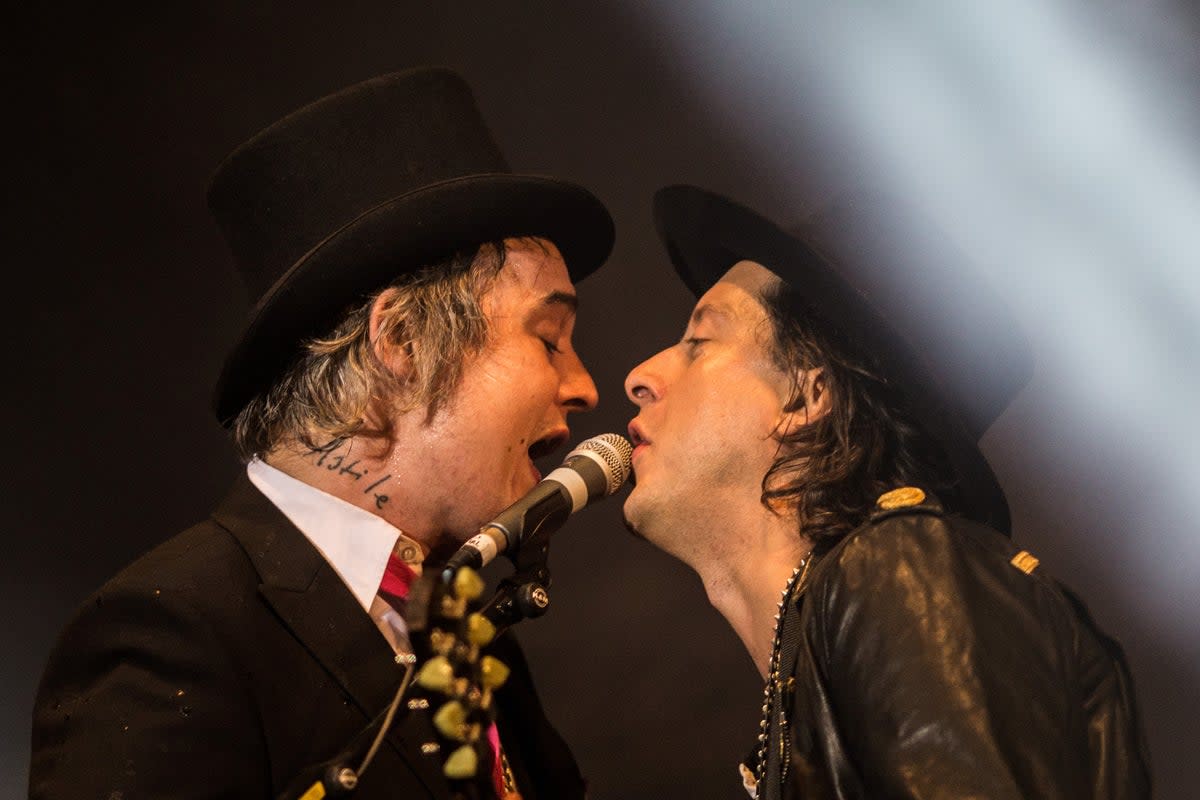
(311, 600)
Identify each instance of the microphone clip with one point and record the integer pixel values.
(525, 594)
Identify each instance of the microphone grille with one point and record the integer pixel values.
(616, 452)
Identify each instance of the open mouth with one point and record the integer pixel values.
(547, 445)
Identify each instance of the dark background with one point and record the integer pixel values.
(125, 298)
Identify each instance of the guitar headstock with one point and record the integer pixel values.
(455, 679)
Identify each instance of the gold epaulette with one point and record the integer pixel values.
(900, 498)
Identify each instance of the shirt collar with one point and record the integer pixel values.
(355, 542)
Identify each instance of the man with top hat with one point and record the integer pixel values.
(409, 354)
(815, 461)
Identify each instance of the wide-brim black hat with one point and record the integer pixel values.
(957, 386)
(339, 198)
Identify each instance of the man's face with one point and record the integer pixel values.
(513, 399)
(709, 407)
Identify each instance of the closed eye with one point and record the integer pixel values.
(693, 344)
(551, 346)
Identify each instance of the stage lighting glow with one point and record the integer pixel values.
(1055, 143)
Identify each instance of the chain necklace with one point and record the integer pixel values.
(771, 687)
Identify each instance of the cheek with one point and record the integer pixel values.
(740, 409)
(508, 374)
(536, 385)
(524, 389)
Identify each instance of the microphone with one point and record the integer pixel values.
(596, 468)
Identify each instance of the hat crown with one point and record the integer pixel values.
(927, 300)
(340, 198)
(303, 178)
(957, 383)
(852, 263)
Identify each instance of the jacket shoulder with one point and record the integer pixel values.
(918, 530)
(201, 564)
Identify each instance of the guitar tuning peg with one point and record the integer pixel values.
(453, 607)
(442, 642)
(474, 698)
(436, 675)
(493, 672)
(451, 721)
(467, 584)
(462, 763)
(480, 630)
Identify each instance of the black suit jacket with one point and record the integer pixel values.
(230, 660)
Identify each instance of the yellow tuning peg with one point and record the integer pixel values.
(480, 630)
(451, 720)
(467, 584)
(452, 607)
(493, 672)
(442, 642)
(436, 675)
(462, 763)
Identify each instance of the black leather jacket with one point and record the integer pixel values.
(932, 658)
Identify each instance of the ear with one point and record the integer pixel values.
(812, 403)
(396, 357)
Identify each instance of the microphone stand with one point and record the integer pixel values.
(525, 593)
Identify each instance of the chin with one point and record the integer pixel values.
(652, 518)
(632, 528)
(635, 515)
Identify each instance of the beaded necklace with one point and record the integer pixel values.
(771, 687)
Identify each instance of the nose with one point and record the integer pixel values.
(643, 384)
(577, 390)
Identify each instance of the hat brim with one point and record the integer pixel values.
(705, 234)
(395, 237)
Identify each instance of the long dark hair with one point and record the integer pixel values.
(831, 471)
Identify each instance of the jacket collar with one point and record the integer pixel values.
(316, 606)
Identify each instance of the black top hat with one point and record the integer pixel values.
(338, 198)
(957, 388)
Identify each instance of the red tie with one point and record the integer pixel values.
(398, 578)
(498, 781)
(388, 607)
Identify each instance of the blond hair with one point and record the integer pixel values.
(435, 315)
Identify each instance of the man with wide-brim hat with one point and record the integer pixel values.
(407, 358)
(813, 455)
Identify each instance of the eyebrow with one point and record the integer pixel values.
(709, 309)
(558, 298)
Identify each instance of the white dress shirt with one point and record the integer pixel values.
(355, 542)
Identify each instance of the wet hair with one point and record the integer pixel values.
(435, 315)
(830, 472)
